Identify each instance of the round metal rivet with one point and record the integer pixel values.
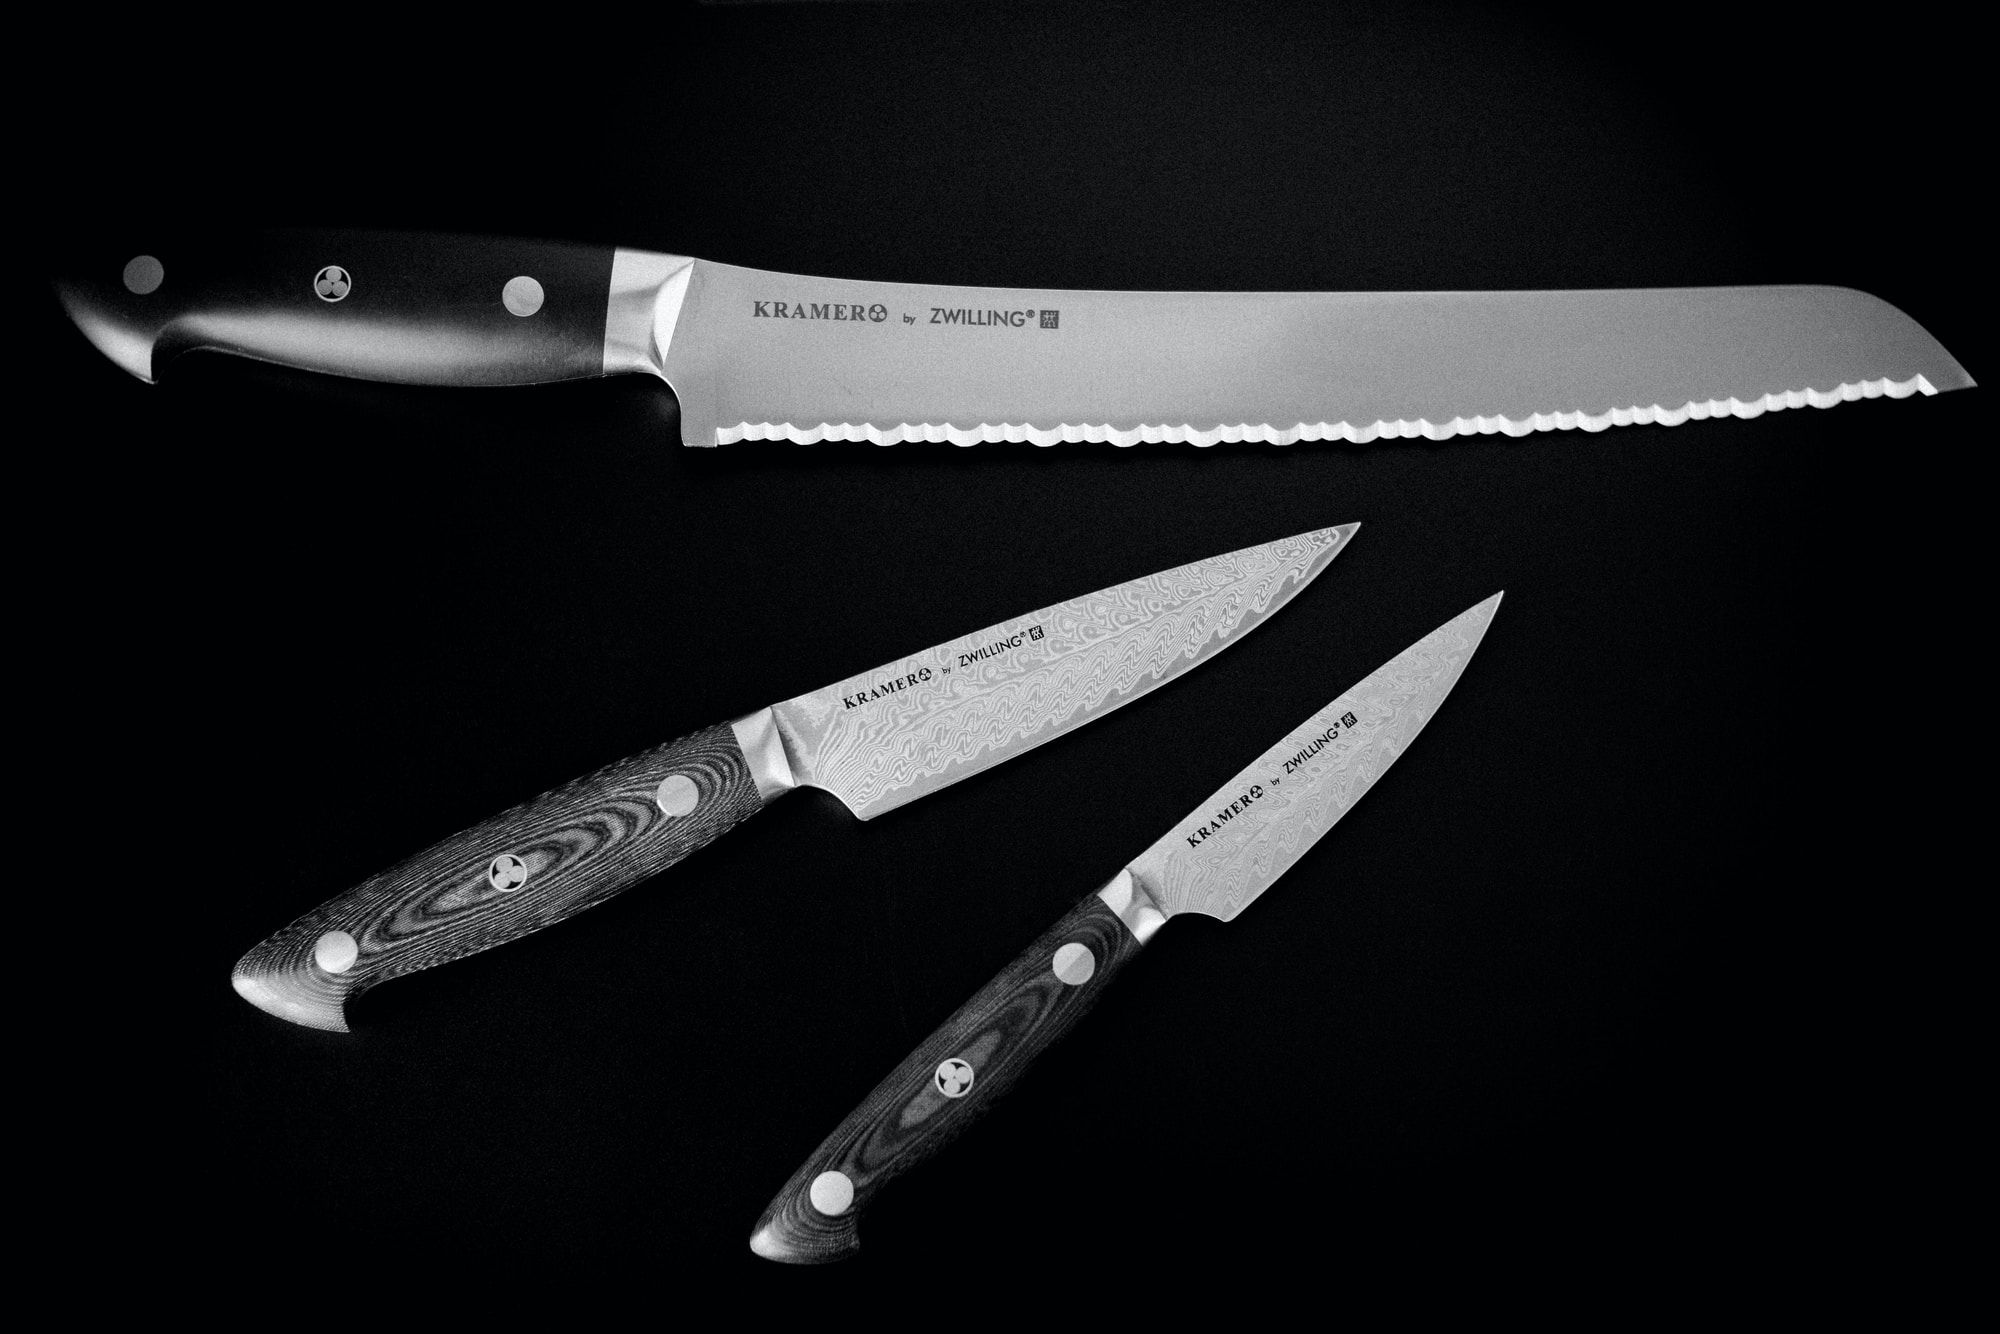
(1074, 964)
(336, 951)
(953, 1077)
(143, 275)
(332, 283)
(831, 1193)
(522, 295)
(676, 795)
(507, 873)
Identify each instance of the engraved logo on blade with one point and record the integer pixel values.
(874, 312)
(1293, 763)
(845, 312)
(886, 688)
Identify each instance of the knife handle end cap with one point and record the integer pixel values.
(790, 1239)
(306, 995)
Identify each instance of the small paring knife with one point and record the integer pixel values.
(1216, 861)
(755, 355)
(875, 740)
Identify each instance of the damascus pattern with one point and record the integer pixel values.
(1233, 846)
(888, 736)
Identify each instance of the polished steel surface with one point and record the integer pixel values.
(911, 726)
(753, 355)
(644, 307)
(1132, 905)
(764, 751)
(1234, 845)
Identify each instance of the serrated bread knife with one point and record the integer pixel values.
(752, 355)
(876, 741)
(1216, 861)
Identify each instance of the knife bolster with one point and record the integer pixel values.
(1133, 904)
(763, 747)
(647, 292)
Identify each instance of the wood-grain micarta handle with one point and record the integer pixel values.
(945, 1084)
(409, 307)
(514, 874)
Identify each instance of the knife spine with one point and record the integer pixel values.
(1264, 433)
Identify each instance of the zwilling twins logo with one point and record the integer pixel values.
(1014, 319)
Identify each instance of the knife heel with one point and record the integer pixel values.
(516, 873)
(948, 1082)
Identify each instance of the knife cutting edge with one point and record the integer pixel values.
(875, 740)
(754, 355)
(1216, 861)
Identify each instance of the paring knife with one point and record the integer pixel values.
(752, 355)
(1216, 861)
(876, 741)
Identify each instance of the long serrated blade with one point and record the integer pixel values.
(765, 356)
(1234, 845)
(909, 727)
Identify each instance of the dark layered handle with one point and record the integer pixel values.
(514, 874)
(945, 1084)
(399, 306)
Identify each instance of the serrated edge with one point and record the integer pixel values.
(1020, 433)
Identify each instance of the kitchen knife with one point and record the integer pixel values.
(875, 740)
(1217, 860)
(752, 355)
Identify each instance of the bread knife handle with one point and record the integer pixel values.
(516, 873)
(409, 307)
(949, 1081)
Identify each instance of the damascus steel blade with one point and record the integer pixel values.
(753, 355)
(888, 736)
(1233, 846)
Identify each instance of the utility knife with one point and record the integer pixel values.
(1216, 861)
(753, 355)
(875, 740)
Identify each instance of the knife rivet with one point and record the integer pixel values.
(332, 283)
(522, 295)
(953, 1078)
(507, 873)
(677, 794)
(1074, 964)
(831, 1193)
(336, 951)
(143, 275)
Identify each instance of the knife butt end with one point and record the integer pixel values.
(797, 1233)
(290, 995)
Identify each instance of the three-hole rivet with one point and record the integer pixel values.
(336, 951)
(953, 1077)
(831, 1193)
(676, 795)
(1074, 964)
(332, 283)
(507, 873)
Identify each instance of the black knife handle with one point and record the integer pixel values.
(945, 1084)
(514, 874)
(401, 306)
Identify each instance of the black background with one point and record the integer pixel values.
(1632, 973)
